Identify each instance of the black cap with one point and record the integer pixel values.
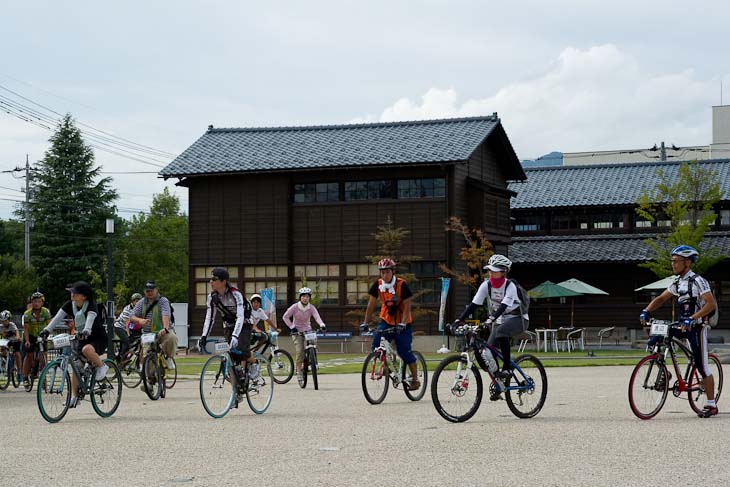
(83, 288)
(150, 285)
(220, 273)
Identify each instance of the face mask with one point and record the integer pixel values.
(497, 282)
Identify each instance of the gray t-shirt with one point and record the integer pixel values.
(144, 304)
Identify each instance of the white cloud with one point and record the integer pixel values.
(587, 99)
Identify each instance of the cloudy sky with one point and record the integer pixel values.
(563, 75)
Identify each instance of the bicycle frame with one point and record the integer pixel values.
(666, 346)
(391, 357)
(83, 376)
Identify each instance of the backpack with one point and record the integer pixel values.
(522, 294)
(713, 317)
(172, 315)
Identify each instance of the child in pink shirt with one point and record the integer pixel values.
(298, 318)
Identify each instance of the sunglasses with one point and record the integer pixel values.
(214, 279)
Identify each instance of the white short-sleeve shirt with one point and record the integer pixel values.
(506, 294)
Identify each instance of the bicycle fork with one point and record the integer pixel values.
(461, 379)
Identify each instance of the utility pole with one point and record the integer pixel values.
(27, 213)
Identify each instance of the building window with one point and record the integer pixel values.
(724, 217)
(327, 292)
(642, 222)
(322, 279)
(421, 188)
(316, 192)
(369, 190)
(607, 221)
(427, 286)
(202, 282)
(256, 278)
(570, 222)
(359, 279)
(529, 223)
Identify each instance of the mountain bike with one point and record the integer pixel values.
(650, 380)
(310, 360)
(223, 383)
(155, 374)
(8, 367)
(457, 387)
(383, 366)
(54, 383)
(39, 363)
(282, 363)
(129, 365)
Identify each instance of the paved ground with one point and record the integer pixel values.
(585, 436)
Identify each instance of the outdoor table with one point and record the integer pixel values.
(548, 334)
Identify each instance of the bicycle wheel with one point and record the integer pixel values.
(130, 372)
(29, 381)
(152, 377)
(528, 400)
(171, 376)
(375, 377)
(5, 373)
(216, 391)
(106, 393)
(282, 366)
(14, 374)
(260, 390)
(697, 395)
(456, 395)
(421, 375)
(53, 399)
(302, 376)
(313, 365)
(648, 387)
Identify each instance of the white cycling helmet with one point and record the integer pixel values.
(498, 263)
(305, 290)
(5, 315)
(256, 296)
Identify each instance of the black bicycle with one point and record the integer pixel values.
(130, 365)
(310, 360)
(156, 376)
(39, 363)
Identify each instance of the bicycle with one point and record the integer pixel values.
(54, 383)
(383, 366)
(216, 377)
(457, 377)
(155, 374)
(129, 365)
(281, 361)
(8, 367)
(38, 364)
(310, 359)
(649, 383)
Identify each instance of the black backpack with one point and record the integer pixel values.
(172, 315)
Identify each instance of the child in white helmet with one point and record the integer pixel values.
(298, 318)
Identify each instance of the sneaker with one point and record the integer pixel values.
(253, 370)
(503, 375)
(101, 372)
(170, 363)
(708, 412)
(414, 385)
(26, 383)
(73, 401)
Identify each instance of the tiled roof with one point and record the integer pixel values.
(227, 150)
(596, 248)
(614, 184)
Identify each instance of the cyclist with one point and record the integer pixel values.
(504, 309)
(259, 315)
(153, 311)
(235, 311)
(298, 318)
(90, 331)
(9, 330)
(35, 319)
(121, 327)
(695, 304)
(395, 314)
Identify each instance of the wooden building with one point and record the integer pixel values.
(580, 221)
(276, 205)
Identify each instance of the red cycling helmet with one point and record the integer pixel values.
(386, 263)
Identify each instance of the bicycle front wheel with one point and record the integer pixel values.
(260, 390)
(53, 399)
(5, 373)
(532, 386)
(697, 392)
(216, 391)
(455, 391)
(375, 377)
(282, 365)
(171, 376)
(130, 373)
(421, 376)
(152, 377)
(106, 393)
(648, 387)
(313, 365)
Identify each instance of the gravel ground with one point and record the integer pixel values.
(584, 436)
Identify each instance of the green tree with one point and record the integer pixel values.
(69, 203)
(156, 247)
(688, 203)
(475, 254)
(16, 283)
(12, 238)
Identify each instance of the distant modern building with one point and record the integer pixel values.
(580, 221)
(277, 205)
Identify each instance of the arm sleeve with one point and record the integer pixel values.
(469, 310)
(240, 313)
(405, 292)
(90, 318)
(287, 317)
(374, 290)
(500, 309)
(137, 311)
(209, 317)
(317, 318)
(56, 320)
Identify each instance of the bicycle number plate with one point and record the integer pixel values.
(310, 335)
(4, 342)
(148, 338)
(659, 329)
(222, 347)
(61, 341)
